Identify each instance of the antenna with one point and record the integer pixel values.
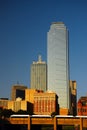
(39, 58)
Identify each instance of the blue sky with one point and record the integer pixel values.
(23, 36)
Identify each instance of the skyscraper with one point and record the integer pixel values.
(58, 62)
(38, 78)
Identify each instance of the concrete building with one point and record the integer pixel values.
(38, 78)
(58, 63)
(4, 103)
(29, 94)
(45, 103)
(18, 91)
(18, 104)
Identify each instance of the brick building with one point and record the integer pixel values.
(82, 106)
(45, 103)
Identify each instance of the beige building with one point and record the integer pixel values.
(73, 87)
(29, 94)
(18, 91)
(27, 104)
(18, 105)
(4, 103)
(38, 79)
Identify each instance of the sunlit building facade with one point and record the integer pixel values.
(45, 103)
(3, 103)
(82, 106)
(18, 104)
(18, 90)
(58, 62)
(38, 78)
(29, 94)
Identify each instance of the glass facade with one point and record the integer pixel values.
(58, 63)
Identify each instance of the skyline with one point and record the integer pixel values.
(23, 36)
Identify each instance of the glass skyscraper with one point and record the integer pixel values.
(58, 62)
(38, 78)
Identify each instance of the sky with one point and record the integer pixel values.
(23, 36)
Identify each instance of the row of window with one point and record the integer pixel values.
(82, 110)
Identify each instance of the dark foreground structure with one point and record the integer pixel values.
(37, 121)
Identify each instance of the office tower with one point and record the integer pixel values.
(18, 91)
(58, 62)
(39, 75)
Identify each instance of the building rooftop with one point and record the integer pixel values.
(57, 23)
(39, 61)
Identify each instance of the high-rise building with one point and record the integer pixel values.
(38, 78)
(58, 63)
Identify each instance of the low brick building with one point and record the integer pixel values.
(45, 103)
(82, 106)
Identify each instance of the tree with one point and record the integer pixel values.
(6, 113)
(21, 112)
